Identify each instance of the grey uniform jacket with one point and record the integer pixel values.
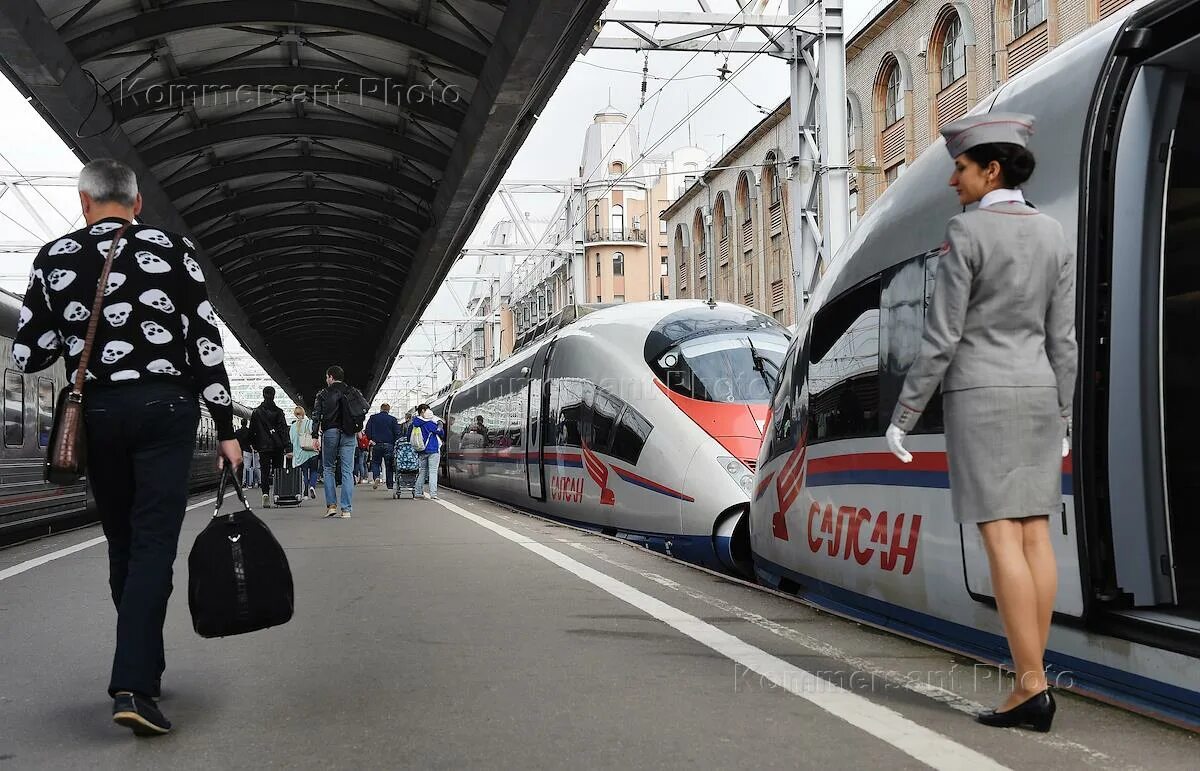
(1002, 312)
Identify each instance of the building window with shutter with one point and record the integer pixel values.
(954, 51)
(893, 105)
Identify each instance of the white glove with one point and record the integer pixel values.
(1066, 446)
(895, 439)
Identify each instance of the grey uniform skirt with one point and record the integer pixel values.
(1004, 450)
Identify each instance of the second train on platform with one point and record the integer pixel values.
(641, 420)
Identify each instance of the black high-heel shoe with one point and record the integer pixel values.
(1037, 712)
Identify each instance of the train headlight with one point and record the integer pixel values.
(737, 472)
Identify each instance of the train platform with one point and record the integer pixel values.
(461, 634)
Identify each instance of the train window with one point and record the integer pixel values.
(45, 410)
(630, 436)
(605, 410)
(14, 409)
(790, 405)
(570, 412)
(843, 371)
(907, 290)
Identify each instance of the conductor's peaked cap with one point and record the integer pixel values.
(1010, 127)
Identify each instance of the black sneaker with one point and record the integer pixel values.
(139, 714)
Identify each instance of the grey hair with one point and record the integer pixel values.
(108, 181)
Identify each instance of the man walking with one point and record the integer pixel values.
(249, 456)
(156, 349)
(338, 413)
(270, 435)
(383, 430)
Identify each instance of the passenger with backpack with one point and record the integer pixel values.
(339, 411)
(427, 434)
(270, 437)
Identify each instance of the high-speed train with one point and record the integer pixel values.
(837, 519)
(30, 506)
(641, 420)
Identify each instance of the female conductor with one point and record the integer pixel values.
(1000, 340)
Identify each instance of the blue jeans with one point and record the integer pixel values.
(334, 446)
(427, 468)
(381, 454)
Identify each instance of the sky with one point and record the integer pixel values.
(678, 82)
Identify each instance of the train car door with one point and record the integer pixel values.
(536, 395)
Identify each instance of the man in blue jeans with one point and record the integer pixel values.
(428, 456)
(335, 444)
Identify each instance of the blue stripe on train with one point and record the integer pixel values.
(889, 478)
(1128, 688)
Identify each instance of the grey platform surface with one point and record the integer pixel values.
(422, 639)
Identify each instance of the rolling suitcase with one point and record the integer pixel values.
(287, 485)
(238, 575)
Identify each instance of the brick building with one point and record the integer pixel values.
(749, 259)
(914, 65)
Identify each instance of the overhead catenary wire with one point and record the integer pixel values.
(29, 182)
(691, 112)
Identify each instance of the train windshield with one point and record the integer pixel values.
(732, 366)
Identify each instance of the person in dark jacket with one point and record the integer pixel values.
(384, 431)
(270, 436)
(336, 445)
(249, 456)
(157, 347)
(429, 455)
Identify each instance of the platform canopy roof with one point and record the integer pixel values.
(330, 158)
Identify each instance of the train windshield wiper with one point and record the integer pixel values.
(759, 362)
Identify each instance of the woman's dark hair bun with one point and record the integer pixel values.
(1016, 162)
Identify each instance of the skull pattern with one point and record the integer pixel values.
(24, 317)
(211, 354)
(65, 246)
(206, 312)
(104, 246)
(49, 341)
(189, 243)
(155, 237)
(60, 278)
(193, 268)
(162, 367)
(157, 299)
(184, 318)
(100, 228)
(114, 351)
(156, 333)
(217, 394)
(20, 354)
(118, 314)
(115, 280)
(152, 263)
(75, 311)
(125, 374)
(74, 345)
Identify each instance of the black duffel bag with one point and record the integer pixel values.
(238, 575)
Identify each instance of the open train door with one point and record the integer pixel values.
(537, 396)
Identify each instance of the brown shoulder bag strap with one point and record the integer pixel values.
(94, 320)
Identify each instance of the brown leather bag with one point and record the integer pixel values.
(66, 455)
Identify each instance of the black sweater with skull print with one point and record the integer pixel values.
(157, 320)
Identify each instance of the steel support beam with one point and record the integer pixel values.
(401, 216)
(300, 164)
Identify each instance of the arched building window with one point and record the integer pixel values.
(1026, 29)
(617, 167)
(950, 74)
(618, 264)
(617, 219)
(954, 51)
(700, 248)
(894, 142)
(681, 261)
(744, 206)
(893, 105)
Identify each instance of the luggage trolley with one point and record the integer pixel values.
(405, 460)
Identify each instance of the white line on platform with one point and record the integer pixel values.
(915, 740)
(42, 560)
